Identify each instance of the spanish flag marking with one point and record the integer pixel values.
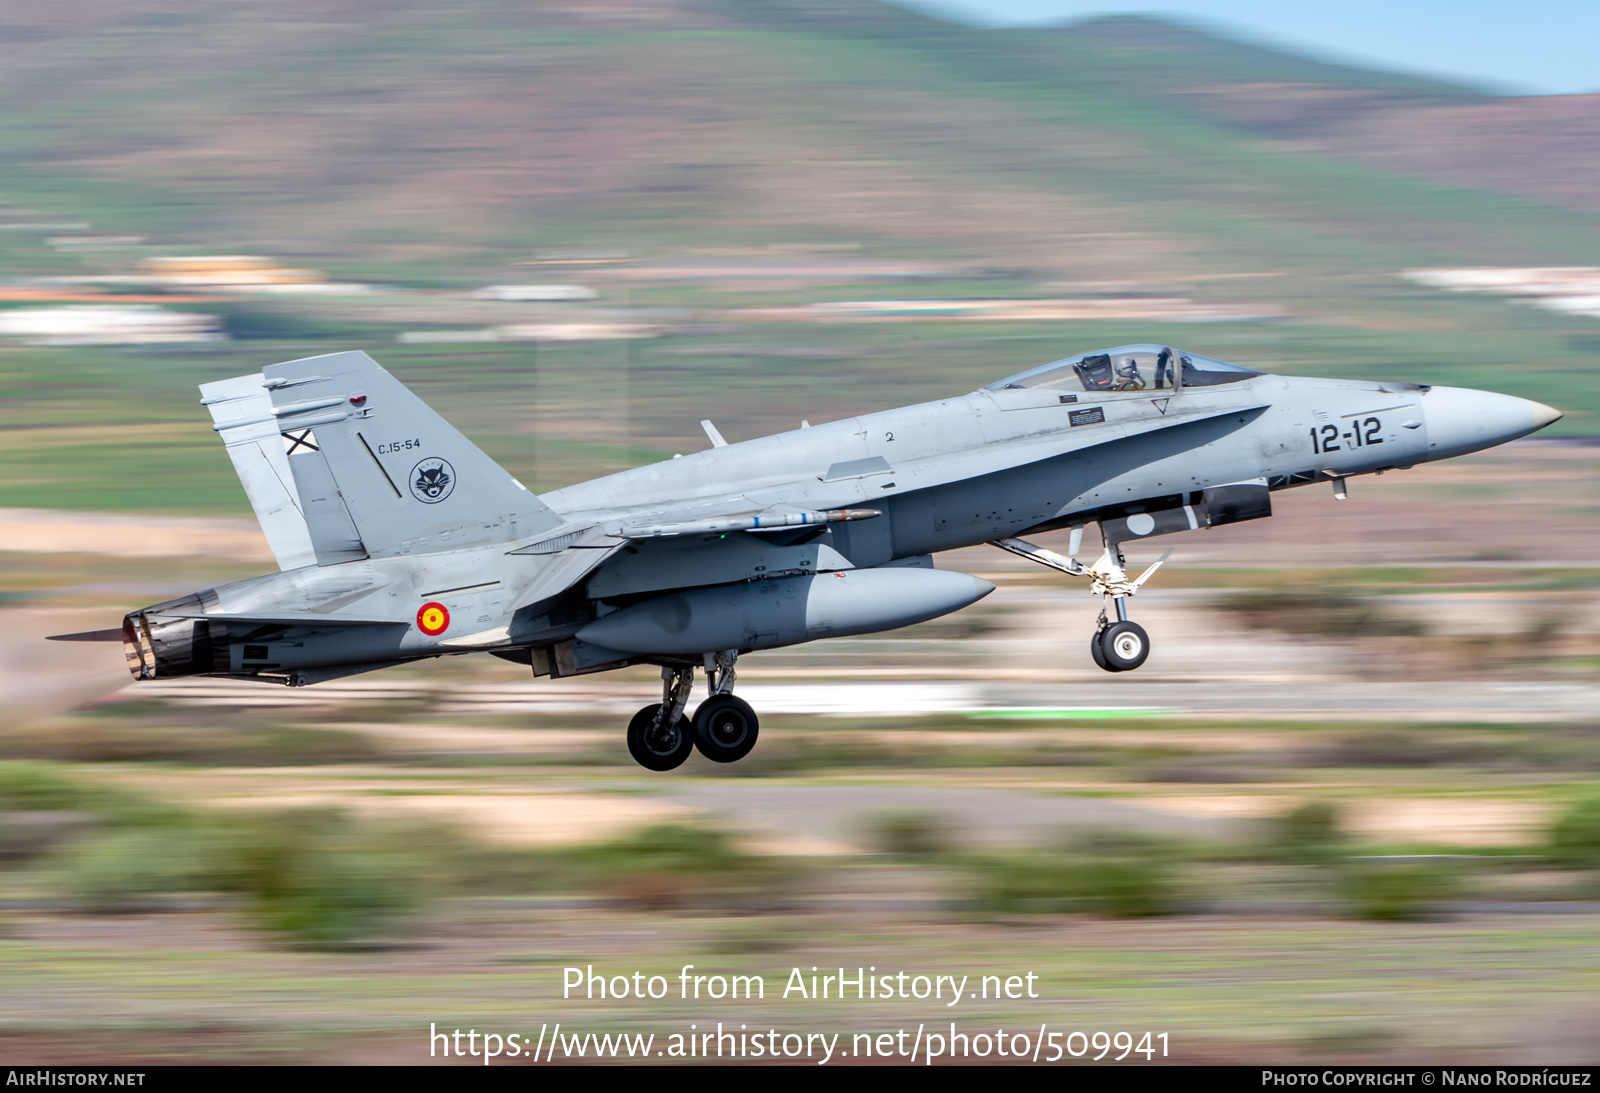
(433, 618)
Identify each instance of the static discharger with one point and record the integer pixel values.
(767, 521)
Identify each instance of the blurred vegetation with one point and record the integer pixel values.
(1575, 837)
(1361, 609)
(37, 787)
(1397, 891)
(911, 833)
(74, 832)
(1121, 875)
(161, 737)
(318, 877)
(1408, 747)
(1309, 834)
(675, 865)
(1319, 612)
(120, 870)
(326, 879)
(321, 878)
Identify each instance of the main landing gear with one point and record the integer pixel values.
(724, 728)
(659, 736)
(1117, 646)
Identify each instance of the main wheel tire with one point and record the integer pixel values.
(663, 748)
(1098, 653)
(725, 728)
(1125, 646)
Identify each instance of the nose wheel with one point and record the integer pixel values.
(1121, 647)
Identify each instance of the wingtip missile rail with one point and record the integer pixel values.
(766, 521)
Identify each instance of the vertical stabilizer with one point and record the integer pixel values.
(242, 411)
(364, 448)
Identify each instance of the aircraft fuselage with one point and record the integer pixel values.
(604, 561)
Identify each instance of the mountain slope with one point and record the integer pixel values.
(441, 149)
(432, 135)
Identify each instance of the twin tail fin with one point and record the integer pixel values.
(341, 462)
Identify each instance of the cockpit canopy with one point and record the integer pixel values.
(1128, 368)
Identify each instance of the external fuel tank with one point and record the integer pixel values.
(786, 610)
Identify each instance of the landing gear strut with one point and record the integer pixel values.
(724, 728)
(1119, 646)
(659, 736)
(1123, 645)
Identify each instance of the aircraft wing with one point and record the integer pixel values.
(561, 559)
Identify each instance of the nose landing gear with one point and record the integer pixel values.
(1119, 646)
(724, 728)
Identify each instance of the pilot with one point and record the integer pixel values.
(1128, 378)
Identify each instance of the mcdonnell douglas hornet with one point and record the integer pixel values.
(398, 539)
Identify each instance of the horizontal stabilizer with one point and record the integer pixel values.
(284, 618)
(89, 635)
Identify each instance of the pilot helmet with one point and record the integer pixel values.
(1127, 367)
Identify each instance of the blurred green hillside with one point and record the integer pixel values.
(436, 149)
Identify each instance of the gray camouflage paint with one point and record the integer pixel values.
(399, 509)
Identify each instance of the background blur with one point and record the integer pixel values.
(1346, 812)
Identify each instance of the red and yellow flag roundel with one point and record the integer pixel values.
(433, 619)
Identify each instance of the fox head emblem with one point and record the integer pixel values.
(432, 480)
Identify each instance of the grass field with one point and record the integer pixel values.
(1263, 952)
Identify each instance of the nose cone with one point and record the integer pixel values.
(1543, 415)
(1462, 420)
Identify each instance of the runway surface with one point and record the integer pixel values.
(1446, 700)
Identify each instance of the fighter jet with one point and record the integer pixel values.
(398, 539)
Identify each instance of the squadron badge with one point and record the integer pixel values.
(432, 480)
